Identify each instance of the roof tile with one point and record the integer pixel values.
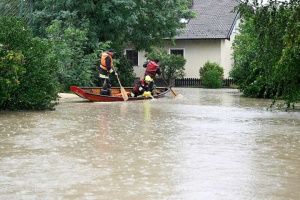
(214, 20)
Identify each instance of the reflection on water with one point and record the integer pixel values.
(203, 144)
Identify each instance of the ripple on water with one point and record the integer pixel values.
(202, 144)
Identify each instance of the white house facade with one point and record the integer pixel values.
(208, 37)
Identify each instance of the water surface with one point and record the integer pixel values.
(203, 144)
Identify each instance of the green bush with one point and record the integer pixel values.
(28, 82)
(10, 69)
(211, 75)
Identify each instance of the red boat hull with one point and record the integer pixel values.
(94, 94)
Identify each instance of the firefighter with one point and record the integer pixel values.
(106, 68)
(142, 88)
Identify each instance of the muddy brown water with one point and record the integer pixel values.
(203, 144)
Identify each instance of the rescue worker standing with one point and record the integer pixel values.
(153, 68)
(142, 87)
(106, 68)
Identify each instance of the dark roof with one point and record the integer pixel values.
(214, 20)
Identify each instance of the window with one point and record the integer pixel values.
(133, 57)
(177, 52)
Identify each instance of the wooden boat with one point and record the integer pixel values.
(94, 93)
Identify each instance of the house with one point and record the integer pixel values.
(208, 37)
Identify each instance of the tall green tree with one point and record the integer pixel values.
(261, 49)
(258, 49)
(139, 22)
(75, 66)
(244, 54)
(287, 70)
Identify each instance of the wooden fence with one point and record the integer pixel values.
(186, 82)
(196, 82)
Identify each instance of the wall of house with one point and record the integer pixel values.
(197, 52)
(226, 58)
(226, 49)
(140, 70)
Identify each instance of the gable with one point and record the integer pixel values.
(215, 19)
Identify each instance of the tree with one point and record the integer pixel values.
(267, 51)
(29, 72)
(75, 67)
(172, 66)
(288, 69)
(141, 23)
(244, 55)
(125, 72)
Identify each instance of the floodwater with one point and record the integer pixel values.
(203, 144)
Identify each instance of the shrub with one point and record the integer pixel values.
(11, 70)
(32, 79)
(211, 75)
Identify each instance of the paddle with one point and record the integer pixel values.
(173, 92)
(123, 91)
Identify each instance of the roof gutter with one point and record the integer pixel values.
(232, 26)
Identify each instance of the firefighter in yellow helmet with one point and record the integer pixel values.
(142, 88)
(106, 68)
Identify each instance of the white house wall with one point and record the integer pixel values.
(226, 57)
(140, 70)
(197, 53)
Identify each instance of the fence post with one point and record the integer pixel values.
(172, 82)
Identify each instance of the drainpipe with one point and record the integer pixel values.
(31, 12)
(232, 26)
(21, 9)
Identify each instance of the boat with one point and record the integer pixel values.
(94, 93)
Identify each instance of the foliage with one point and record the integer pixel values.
(211, 75)
(244, 55)
(172, 66)
(75, 67)
(141, 23)
(125, 72)
(11, 68)
(16, 8)
(36, 85)
(123, 67)
(262, 56)
(288, 68)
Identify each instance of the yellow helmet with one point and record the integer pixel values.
(147, 94)
(148, 78)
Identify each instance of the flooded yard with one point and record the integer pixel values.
(203, 144)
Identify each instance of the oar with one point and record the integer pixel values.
(123, 91)
(173, 92)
